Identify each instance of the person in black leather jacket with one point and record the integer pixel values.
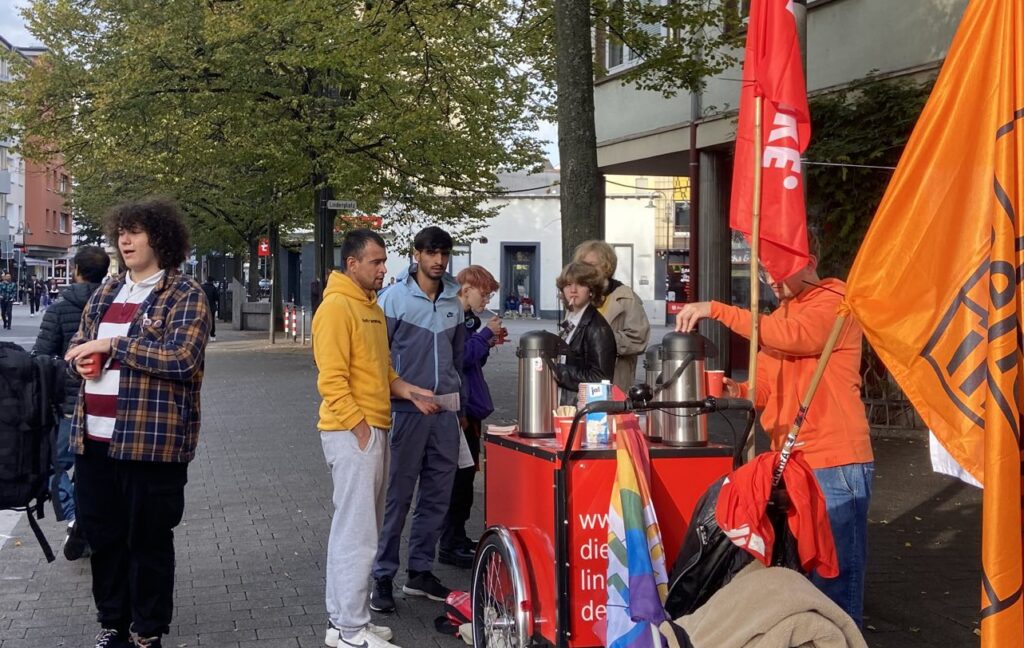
(60, 323)
(591, 354)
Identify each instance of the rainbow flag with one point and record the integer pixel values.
(637, 579)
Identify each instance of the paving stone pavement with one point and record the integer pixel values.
(251, 547)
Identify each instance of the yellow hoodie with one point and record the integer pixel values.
(350, 346)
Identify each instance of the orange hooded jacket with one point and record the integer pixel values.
(835, 431)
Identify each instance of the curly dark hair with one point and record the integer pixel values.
(582, 274)
(161, 220)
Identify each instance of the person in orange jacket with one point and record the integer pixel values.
(834, 438)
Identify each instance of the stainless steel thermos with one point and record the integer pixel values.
(537, 392)
(652, 368)
(682, 358)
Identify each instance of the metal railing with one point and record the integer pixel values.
(885, 403)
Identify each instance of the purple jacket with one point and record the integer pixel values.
(477, 348)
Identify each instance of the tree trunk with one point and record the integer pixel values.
(581, 184)
(253, 280)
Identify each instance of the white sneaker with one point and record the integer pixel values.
(333, 637)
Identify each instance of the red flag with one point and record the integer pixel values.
(772, 69)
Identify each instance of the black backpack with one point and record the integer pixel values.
(31, 394)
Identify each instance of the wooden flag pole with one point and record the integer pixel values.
(755, 284)
(794, 430)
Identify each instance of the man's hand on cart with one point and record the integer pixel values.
(421, 398)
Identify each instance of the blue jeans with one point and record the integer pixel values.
(847, 492)
(61, 480)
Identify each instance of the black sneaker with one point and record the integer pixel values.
(425, 584)
(75, 545)
(382, 598)
(459, 557)
(110, 638)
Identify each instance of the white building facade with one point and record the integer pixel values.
(12, 184)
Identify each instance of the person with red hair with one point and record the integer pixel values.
(476, 288)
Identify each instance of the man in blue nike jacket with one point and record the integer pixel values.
(425, 331)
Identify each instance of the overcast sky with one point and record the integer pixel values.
(12, 28)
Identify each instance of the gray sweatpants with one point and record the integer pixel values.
(359, 486)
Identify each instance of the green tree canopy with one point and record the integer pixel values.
(862, 131)
(240, 108)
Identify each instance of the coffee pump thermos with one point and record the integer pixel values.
(537, 392)
(681, 378)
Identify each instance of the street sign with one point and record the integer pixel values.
(264, 248)
(341, 205)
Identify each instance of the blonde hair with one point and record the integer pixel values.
(582, 274)
(607, 262)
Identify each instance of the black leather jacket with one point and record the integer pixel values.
(590, 358)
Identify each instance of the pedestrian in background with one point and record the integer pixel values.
(213, 297)
(35, 295)
(136, 428)
(60, 324)
(350, 347)
(425, 330)
(622, 309)
(8, 295)
(476, 287)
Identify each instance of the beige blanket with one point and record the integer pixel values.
(771, 608)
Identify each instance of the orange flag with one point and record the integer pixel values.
(936, 285)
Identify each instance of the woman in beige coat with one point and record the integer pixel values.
(622, 309)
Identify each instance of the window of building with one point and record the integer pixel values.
(3, 158)
(48, 220)
(65, 223)
(682, 217)
(741, 14)
(618, 55)
(63, 183)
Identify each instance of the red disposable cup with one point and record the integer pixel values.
(714, 380)
(93, 371)
(562, 426)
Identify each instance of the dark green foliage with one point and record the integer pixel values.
(867, 124)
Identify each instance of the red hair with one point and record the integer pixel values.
(477, 277)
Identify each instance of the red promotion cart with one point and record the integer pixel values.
(539, 574)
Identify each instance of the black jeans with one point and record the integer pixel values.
(128, 510)
(33, 304)
(453, 533)
(6, 307)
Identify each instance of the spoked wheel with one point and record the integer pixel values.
(502, 613)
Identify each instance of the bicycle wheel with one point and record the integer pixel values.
(502, 614)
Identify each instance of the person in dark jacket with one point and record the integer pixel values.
(591, 354)
(476, 288)
(60, 323)
(33, 293)
(213, 296)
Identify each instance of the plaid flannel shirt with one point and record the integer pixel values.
(162, 360)
(8, 291)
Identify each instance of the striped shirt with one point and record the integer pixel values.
(101, 394)
(160, 370)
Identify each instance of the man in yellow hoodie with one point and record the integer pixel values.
(356, 382)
